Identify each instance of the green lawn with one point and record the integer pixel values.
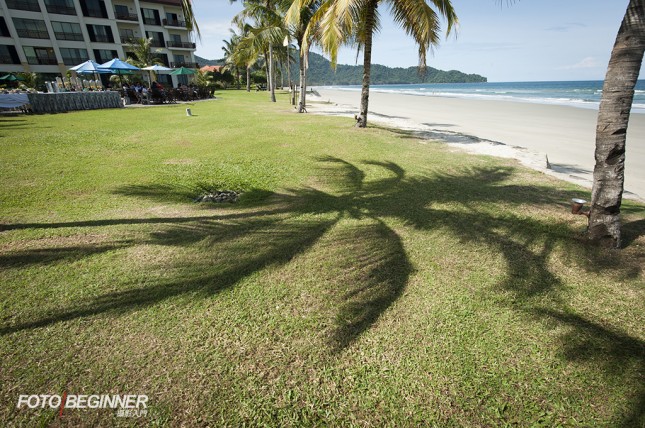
(364, 278)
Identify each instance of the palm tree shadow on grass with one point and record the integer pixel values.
(468, 204)
(43, 256)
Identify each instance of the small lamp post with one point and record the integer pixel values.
(576, 207)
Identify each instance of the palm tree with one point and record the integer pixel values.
(299, 16)
(239, 53)
(268, 30)
(232, 62)
(144, 55)
(613, 118)
(189, 16)
(343, 21)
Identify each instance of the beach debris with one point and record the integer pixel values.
(548, 164)
(219, 196)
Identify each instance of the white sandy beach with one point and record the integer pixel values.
(527, 132)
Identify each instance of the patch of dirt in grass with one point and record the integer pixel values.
(179, 162)
(184, 143)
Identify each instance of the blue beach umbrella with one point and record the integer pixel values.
(89, 67)
(116, 66)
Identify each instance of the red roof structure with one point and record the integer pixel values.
(212, 68)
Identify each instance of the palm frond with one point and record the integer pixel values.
(189, 17)
(422, 23)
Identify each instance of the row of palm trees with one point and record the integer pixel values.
(331, 24)
(266, 27)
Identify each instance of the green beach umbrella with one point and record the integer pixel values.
(183, 70)
(11, 78)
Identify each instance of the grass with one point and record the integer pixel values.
(363, 279)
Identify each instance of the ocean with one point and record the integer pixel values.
(582, 94)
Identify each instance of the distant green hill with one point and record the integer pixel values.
(321, 73)
(203, 61)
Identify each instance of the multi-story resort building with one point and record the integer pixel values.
(50, 36)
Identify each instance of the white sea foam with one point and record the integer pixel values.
(575, 94)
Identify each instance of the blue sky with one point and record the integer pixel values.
(528, 40)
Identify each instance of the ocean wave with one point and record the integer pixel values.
(588, 98)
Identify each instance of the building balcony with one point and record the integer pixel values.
(151, 21)
(157, 44)
(77, 37)
(126, 16)
(173, 23)
(184, 64)
(95, 13)
(8, 60)
(32, 34)
(30, 5)
(74, 61)
(102, 38)
(41, 61)
(61, 10)
(180, 45)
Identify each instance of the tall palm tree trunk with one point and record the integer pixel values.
(302, 103)
(248, 78)
(271, 72)
(266, 67)
(361, 121)
(613, 118)
(288, 66)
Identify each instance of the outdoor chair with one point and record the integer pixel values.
(158, 96)
(135, 97)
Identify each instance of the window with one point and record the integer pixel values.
(100, 33)
(165, 80)
(73, 56)
(163, 58)
(104, 55)
(172, 20)
(31, 28)
(126, 35)
(123, 13)
(62, 7)
(67, 31)
(31, 5)
(40, 56)
(9, 55)
(150, 16)
(120, 10)
(4, 30)
(157, 39)
(177, 43)
(94, 8)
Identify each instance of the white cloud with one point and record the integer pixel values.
(588, 62)
(566, 27)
